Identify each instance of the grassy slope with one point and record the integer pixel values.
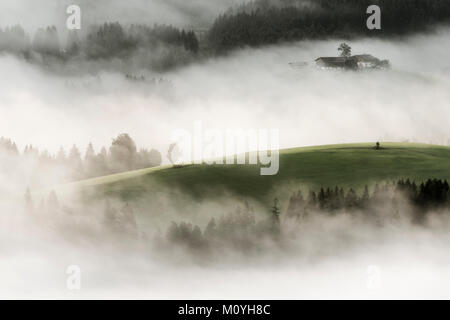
(351, 165)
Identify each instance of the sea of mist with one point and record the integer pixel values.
(342, 256)
(249, 88)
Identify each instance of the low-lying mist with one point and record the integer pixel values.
(325, 256)
(245, 254)
(254, 88)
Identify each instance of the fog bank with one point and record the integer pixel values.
(254, 88)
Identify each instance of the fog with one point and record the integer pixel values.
(340, 257)
(250, 88)
(254, 88)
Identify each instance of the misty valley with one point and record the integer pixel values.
(268, 149)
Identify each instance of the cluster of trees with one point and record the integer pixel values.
(14, 40)
(8, 146)
(151, 36)
(47, 207)
(122, 155)
(262, 22)
(107, 41)
(240, 230)
(116, 219)
(432, 194)
(154, 82)
(256, 23)
(233, 225)
(46, 41)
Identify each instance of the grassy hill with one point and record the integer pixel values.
(350, 165)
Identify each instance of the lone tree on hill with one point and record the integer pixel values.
(377, 146)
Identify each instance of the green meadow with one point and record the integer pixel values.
(347, 165)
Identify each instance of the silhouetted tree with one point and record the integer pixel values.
(275, 216)
(75, 163)
(73, 46)
(345, 50)
(46, 41)
(211, 228)
(123, 153)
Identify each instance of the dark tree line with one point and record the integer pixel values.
(428, 195)
(121, 156)
(262, 22)
(117, 219)
(113, 40)
(241, 230)
(254, 24)
(14, 40)
(236, 229)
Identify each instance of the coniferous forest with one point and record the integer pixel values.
(257, 23)
(263, 22)
(158, 47)
(72, 165)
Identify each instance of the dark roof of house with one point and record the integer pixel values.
(365, 58)
(338, 62)
(347, 62)
(333, 61)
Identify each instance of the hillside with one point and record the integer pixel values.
(348, 165)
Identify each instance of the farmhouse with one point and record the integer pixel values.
(361, 61)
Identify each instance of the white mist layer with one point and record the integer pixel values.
(248, 89)
(410, 262)
(251, 89)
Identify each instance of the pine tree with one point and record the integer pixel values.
(29, 207)
(61, 156)
(53, 203)
(365, 198)
(90, 161)
(102, 162)
(275, 215)
(351, 200)
(73, 43)
(75, 163)
(211, 228)
(90, 153)
(321, 198)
